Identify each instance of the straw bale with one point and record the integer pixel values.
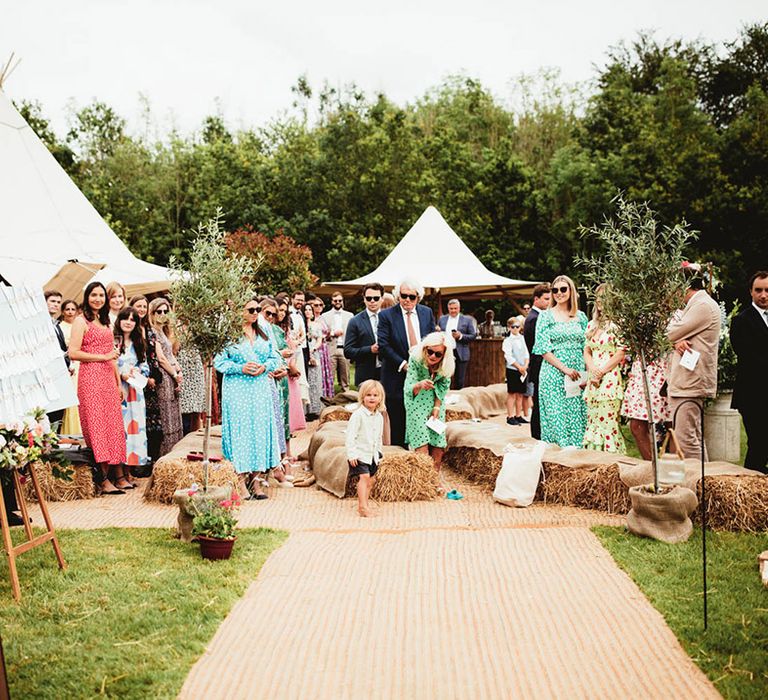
(594, 487)
(53, 489)
(735, 503)
(403, 476)
(174, 472)
(452, 414)
(334, 413)
(476, 464)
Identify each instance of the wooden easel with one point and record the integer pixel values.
(32, 541)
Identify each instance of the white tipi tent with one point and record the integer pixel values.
(433, 255)
(45, 220)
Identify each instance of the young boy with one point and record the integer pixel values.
(364, 438)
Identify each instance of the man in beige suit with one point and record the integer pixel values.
(697, 330)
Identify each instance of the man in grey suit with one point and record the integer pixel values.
(462, 331)
(337, 319)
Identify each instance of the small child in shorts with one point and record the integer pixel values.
(364, 437)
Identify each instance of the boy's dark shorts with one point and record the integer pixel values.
(363, 468)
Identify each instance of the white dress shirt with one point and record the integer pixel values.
(763, 313)
(338, 325)
(297, 321)
(374, 319)
(364, 435)
(452, 324)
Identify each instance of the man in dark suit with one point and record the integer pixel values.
(749, 337)
(400, 328)
(462, 331)
(360, 340)
(542, 297)
(53, 300)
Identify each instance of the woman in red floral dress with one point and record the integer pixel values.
(98, 388)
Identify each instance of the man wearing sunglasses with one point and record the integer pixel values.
(360, 340)
(400, 328)
(337, 319)
(462, 330)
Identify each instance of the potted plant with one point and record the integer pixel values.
(641, 264)
(214, 526)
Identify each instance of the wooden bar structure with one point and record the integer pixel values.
(486, 363)
(48, 536)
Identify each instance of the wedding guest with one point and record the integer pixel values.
(542, 297)
(151, 397)
(132, 367)
(283, 381)
(69, 310)
(635, 408)
(266, 321)
(605, 388)
(461, 330)
(314, 369)
(324, 353)
(361, 345)
(170, 386)
(430, 368)
(248, 429)
(337, 320)
(293, 356)
(486, 329)
(117, 300)
(365, 432)
(299, 323)
(53, 301)
(560, 341)
(516, 357)
(192, 395)
(387, 301)
(92, 345)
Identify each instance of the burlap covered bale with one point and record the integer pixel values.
(457, 407)
(54, 489)
(333, 433)
(174, 472)
(334, 413)
(341, 399)
(663, 516)
(486, 401)
(402, 476)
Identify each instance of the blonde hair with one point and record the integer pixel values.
(447, 364)
(167, 326)
(597, 315)
(371, 386)
(573, 305)
(112, 288)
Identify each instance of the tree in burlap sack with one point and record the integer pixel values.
(209, 293)
(641, 265)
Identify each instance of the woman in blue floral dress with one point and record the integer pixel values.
(249, 430)
(560, 340)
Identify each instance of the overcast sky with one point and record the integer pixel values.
(188, 56)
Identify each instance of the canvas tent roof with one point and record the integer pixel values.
(45, 220)
(432, 254)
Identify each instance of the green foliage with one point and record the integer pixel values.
(641, 265)
(726, 355)
(210, 290)
(128, 618)
(215, 518)
(732, 650)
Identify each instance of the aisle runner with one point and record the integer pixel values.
(444, 614)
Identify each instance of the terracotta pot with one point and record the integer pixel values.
(662, 516)
(215, 548)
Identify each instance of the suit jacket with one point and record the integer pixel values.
(328, 318)
(467, 330)
(749, 337)
(357, 346)
(393, 344)
(529, 333)
(699, 324)
(62, 342)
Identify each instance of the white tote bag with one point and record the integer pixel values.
(519, 475)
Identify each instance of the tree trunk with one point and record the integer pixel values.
(651, 423)
(207, 427)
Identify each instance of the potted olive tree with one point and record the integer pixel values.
(641, 264)
(209, 292)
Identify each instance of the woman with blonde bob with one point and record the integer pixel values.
(430, 368)
(116, 299)
(560, 340)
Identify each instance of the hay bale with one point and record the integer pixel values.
(457, 414)
(402, 476)
(53, 489)
(596, 488)
(334, 413)
(478, 465)
(174, 472)
(735, 503)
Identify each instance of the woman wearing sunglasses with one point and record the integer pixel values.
(560, 336)
(249, 432)
(170, 386)
(430, 368)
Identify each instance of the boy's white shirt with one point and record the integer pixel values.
(364, 435)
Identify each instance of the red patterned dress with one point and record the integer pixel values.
(100, 413)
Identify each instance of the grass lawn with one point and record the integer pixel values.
(129, 616)
(733, 651)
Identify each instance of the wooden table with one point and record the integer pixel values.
(486, 363)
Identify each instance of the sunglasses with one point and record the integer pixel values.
(513, 327)
(270, 314)
(412, 297)
(434, 353)
(161, 312)
(560, 290)
(372, 298)
(253, 309)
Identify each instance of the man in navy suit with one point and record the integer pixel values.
(400, 328)
(542, 296)
(749, 337)
(462, 331)
(361, 345)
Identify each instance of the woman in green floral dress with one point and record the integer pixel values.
(603, 357)
(430, 368)
(560, 340)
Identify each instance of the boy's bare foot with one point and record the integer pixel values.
(367, 512)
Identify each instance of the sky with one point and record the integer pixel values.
(239, 58)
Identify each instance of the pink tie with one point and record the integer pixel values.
(412, 340)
